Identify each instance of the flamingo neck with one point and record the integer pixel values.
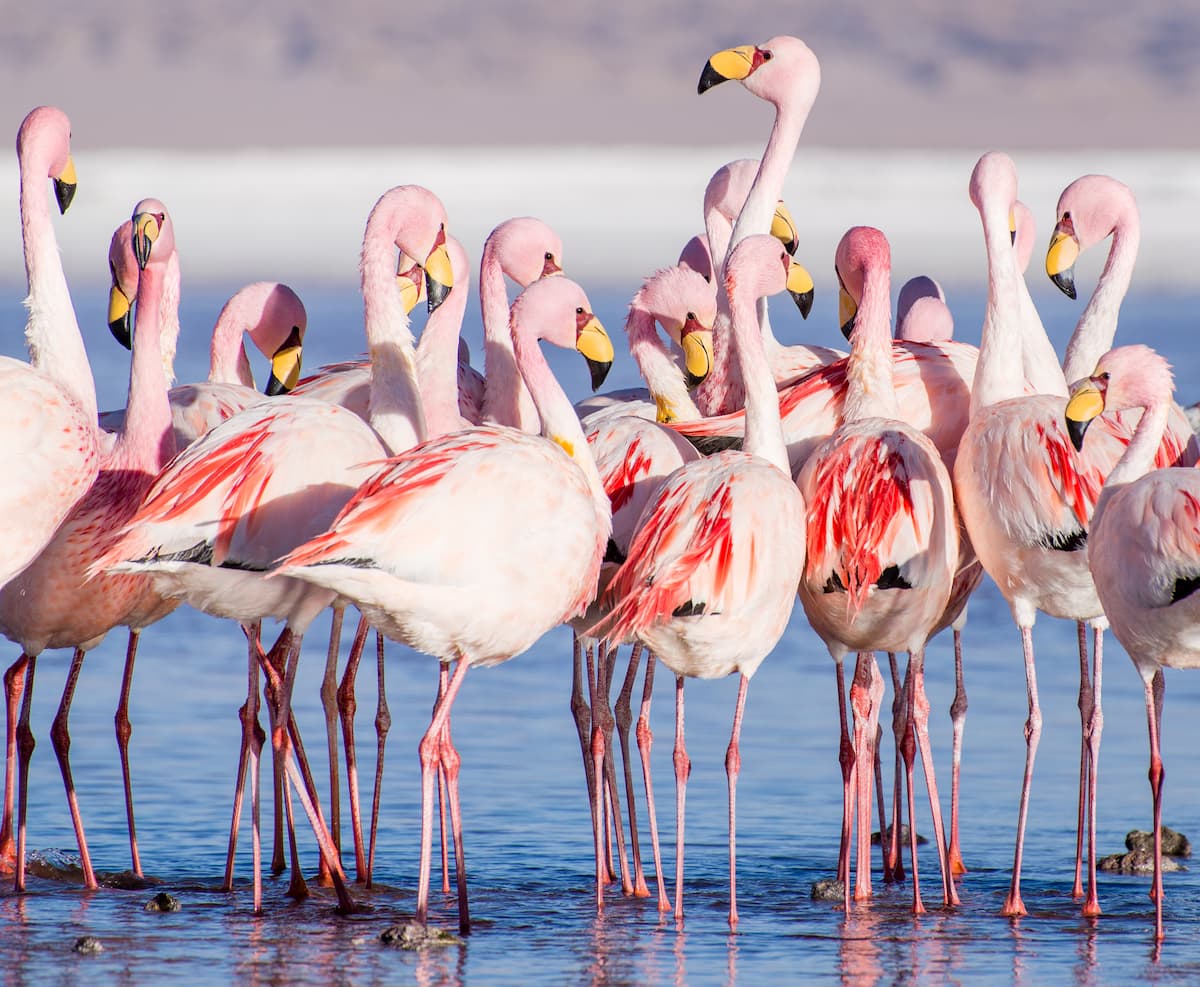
(506, 399)
(147, 440)
(870, 392)
(722, 390)
(395, 404)
(661, 373)
(764, 432)
(1138, 458)
(560, 423)
(764, 194)
(228, 362)
(1042, 370)
(437, 364)
(1097, 327)
(999, 374)
(51, 331)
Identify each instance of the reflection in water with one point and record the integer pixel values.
(858, 948)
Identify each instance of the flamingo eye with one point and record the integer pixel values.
(766, 56)
(1105, 375)
(579, 310)
(691, 316)
(549, 255)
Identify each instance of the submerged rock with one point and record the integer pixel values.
(828, 889)
(413, 936)
(1140, 861)
(1173, 844)
(88, 944)
(163, 902)
(887, 835)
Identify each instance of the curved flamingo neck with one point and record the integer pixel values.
(999, 374)
(764, 194)
(1097, 327)
(228, 362)
(1138, 458)
(722, 390)
(660, 372)
(396, 412)
(147, 440)
(437, 363)
(870, 392)
(764, 431)
(1039, 361)
(506, 400)
(51, 331)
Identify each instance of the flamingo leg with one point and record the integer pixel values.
(645, 740)
(866, 692)
(581, 711)
(599, 822)
(624, 718)
(1085, 711)
(1013, 905)
(124, 730)
(958, 720)
(14, 687)
(908, 752)
(683, 768)
(430, 754)
(270, 684)
(450, 763)
(1154, 693)
(1095, 726)
(846, 760)
(60, 738)
(733, 767)
(383, 723)
(329, 706)
(443, 796)
(894, 861)
(607, 724)
(880, 799)
(249, 755)
(920, 708)
(347, 707)
(25, 744)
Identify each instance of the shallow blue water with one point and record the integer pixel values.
(527, 828)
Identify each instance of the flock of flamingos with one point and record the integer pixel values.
(877, 486)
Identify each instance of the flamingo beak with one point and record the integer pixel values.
(697, 355)
(592, 341)
(783, 228)
(732, 63)
(800, 286)
(285, 365)
(411, 281)
(551, 266)
(146, 227)
(439, 277)
(1012, 227)
(847, 311)
(119, 308)
(1084, 406)
(1060, 260)
(665, 413)
(64, 185)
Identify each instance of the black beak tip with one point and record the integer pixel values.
(848, 328)
(692, 381)
(275, 387)
(1066, 282)
(435, 293)
(804, 302)
(792, 246)
(120, 330)
(64, 192)
(708, 78)
(1076, 431)
(599, 372)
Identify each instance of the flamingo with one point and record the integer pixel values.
(276, 474)
(542, 498)
(709, 581)
(51, 604)
(1144, 545)
(882, 545)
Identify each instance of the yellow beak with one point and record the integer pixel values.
(592, 341)
(145, 232)
(1085, 405)
(285, 365)
(439, 277)
(847, 310)
(697, 356)
(1060, 261)
(800, 285)
(119, 307)
(732, 63)
(783, 228)
(64, 185)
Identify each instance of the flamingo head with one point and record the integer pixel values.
(48, 129)
(1125, 377)
(695, 256)
(921, 312)
(123, 267)
(1090, 209)
(280, 322)
(861, 250)
(410, 279)
(526, 249)
(783, 68)
(557, 310)
(760, 265)
(151, 228)
(415, 219)
(684, 303)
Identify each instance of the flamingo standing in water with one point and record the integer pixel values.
(882, 547)
(710, 577)
(406, 548)
(52, 604)
(1144, 545)
(255, 486)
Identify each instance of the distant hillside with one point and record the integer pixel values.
(971, 74)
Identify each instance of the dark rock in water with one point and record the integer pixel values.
(887, 834)
(413, 936)
(163, 902)
(828, 889)
(1173, 844)
(88, 944)
(125, 880)
(1139, 861)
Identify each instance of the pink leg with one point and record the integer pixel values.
(451, 762)
(443, 796)
(249, 755)
(430, 753)
(1095, 726)
(733, 766)
(596, 748)
(645, 740)
(14, 686)
(607, 724)
(329, 706)
(866, 692)
(60, 737)
(581, 711)
(908, 752)
(1085, 714)
(958, 718)
(347, 706)
(124, 731)
(25, 746)
(893, 870)
(683, 768)
(1157, 775)
(920, 714)
(846, 760)
(624, 717)
(278, 861)
(383, 723)
(880, 798)
(1013, 905)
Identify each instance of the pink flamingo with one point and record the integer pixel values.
(51, 604)
(543, 499)
(922, 315)
(709, 581)
(242, 496)
(1144, 545)
(882, 546)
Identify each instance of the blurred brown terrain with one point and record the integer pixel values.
(925, 74)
